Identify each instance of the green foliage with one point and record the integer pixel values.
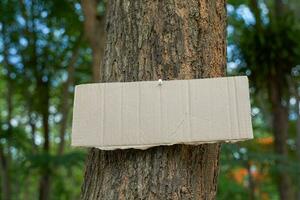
(37, 42)
(42, 160)
(230, 189)
(264, 46)
(271, 48)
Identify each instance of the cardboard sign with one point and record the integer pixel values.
(145, 114)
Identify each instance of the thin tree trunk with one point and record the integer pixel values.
(298, 140)
(95, 33)
(293, 85)
(148, 40)
(256, 11)
(251, 181)
(280, 119)
(279, 8)
(298, 130)
(5, 157)
(31, 119)
(44, 187)
(5, 180)
(280, 129)
(31, 123)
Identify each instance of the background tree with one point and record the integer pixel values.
(267, 49)
(94, 11)
(41, 42)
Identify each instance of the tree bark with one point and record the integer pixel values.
(148, 40)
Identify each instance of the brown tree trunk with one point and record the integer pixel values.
(94, 32)
(44, 186)
(280, 129)
(298, 140)
(251, 182)
(293, 85)
(5, 157)
(5, 179)
(279, 8)
(148, 40)
(280, 117)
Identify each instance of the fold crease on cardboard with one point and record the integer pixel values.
(144, 114)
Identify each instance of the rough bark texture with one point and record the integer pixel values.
(148, 40)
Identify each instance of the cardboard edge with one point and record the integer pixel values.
(145, 147)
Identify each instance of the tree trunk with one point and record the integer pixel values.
(44, 186)
(5, 157)
(298, 140)
(280, 129)
(293, 85)
(280, 117)
(294, 90)
(95, 33)
(251, 181)
(5, 179)
(148, 40)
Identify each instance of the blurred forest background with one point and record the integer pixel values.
(47, 47)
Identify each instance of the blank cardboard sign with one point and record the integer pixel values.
(146, 114)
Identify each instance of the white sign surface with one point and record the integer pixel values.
(146, 114)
